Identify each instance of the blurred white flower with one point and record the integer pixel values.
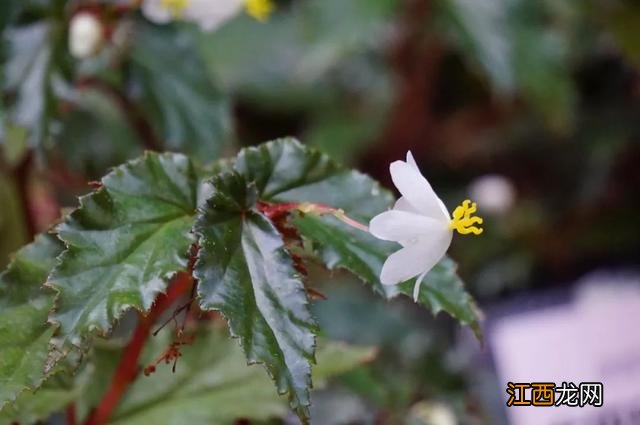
(208, 14)
(494, 192)
(86, 35)
(420, 222)
(433, 413)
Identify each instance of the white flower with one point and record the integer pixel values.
(86, 35)
(208, 14)
(434, 413)
(420, 222)
(494, 192)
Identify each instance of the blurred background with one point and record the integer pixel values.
(530, 108)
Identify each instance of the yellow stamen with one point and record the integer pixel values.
(176, 7)
(463, 221)
(260, 9)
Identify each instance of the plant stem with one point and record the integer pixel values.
(276, 210)
(21, 176)
(128, 368)
(136, 119)
(70, 414)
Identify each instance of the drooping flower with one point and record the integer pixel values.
(86, 35)
(420, 222)
(208, 14)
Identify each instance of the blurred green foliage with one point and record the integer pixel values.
(545, 93)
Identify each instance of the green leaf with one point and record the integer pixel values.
(337, 358)
(245, 272)
(443, 290)
(521, 48)
(26, 75)
(123, 243)
(30, 408)
(287, 171)
(173, 88)
(340, 246)
(94, 134)
(9, 9)
(24, 306)
(211, 384)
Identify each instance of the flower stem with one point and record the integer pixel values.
(278, 209)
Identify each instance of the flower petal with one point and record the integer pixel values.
(417, 191)
(403, 205)
(412, 161)
(211, 15)
(399, 226)
(415, 259)
(417, 285)
(154, 11)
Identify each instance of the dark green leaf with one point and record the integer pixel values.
(286, 171)
(9, 9)
(337, 358)
(245, 272)
(123, 243)
(24, 306)
(190, 113)
(94, 134)
(30, 408)
(211, 385)
(443, 290)
(339, 245)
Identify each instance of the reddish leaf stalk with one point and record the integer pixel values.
(129, 368)
(277, 211)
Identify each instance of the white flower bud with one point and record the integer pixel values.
(495, 194)
(86, 35)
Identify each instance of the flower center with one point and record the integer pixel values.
(463, 221)
(259, 9)
(176, 7)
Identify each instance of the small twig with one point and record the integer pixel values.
(173, 317)
(128, 368)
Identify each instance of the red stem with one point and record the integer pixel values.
(129, 368)
(70, 414)
(276, 211)
(21, 176)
